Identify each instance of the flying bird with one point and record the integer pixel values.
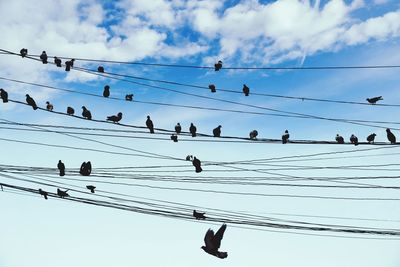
(178, 128)
(43, 57)
(106, 92)
(212, 88)
(246, 90)
(100, 69)
(57, 61)
(213, 242)
(149, 124)
(23, 52)
(174, 138)
(129, 97)
(86, 168)
(373, 100)
(91, 188)
(86, 113)
(49, 106)
(43, 193)
(61, 168)
(61, 193)
(339, 139)
(371, 138)
(31, 102)
(218, 65)
(253, 134)
(285, 137)
(217, 131)
(70, 111)
(197, 164)
(390, 136)
(4, 95)
(193, 130)
(199, 215)
(115, 118)
(354, 140)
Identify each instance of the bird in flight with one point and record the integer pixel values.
(213, 242)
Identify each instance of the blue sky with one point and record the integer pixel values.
(240, 33)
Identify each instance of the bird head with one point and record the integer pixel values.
(119, 114)
(83, 107)
(47, 102)
(219, 126)
(388, 130)
(27, 95)
(148, 116)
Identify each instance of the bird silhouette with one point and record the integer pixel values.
(86, 168)
(390, 136)
(43, 57)
(285, 137)
(3, 95)
(218, 65)
(199, 215)
(129, 97)
(197, 164)
(57, 61)
(86, 113)
(61, 193)
(106, 92)
(354, 140)
(49, 106)
(23, 52)
(339, 139)
(213, 242)
(69, 64)
(178, 128)
(174, 138)
(31, 102)
(43, 193)
(115, 118)
(212, 88)
(246, 90)
(193, 130)
(217, 131)
(253, 134)
(91, 188)
(100, 69)
(61, 168)
(373, 100)
(70, 111)
(149, 124)
(371, 138)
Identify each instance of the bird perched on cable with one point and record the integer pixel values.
(285, 137)
(246, 90)
(354, 140)
(193, 130)
(212, 88)
(91, 188)
(43, 193)
(114, 118)
(371, 138)
(174, 138)
(339, 139)
(373, 100)
(129, 97)
(3, 95)
(100, 69)
(178, 128)
(43, 57)
(106, 92)
(213, 242)
(61, 168)
(218, 65)
(31, 102)
(390, 136)
(86, 168)
(57, 61)
(199, 215)
(253, 134)
(197, 164)
(86, 113)
(149, 124)
(23, 52)
(70, 111)
(49, 106)
(61, 193)
(69, 64)
(217, 131)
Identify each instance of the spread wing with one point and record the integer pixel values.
(218, 236)
(209, 239)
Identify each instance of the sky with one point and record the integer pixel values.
(252, 33)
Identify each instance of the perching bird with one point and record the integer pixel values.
(253, 134)
(31, 102)
(354, 140)
(178, 128)
(86, 168)
(246, 90)
(371, 138)
(61, 168)
(149, 124)
(193, 130)
(43, 193)
(373, 100)
(197, 164)
(23, 52)
(61, 193)
(43, 57)
(212, 88)
(69, 64)
(115, 118)
(57, 61)
(199, 215)
(49, 106)
(91, 188)
(390, 136)
(70, 111)
(339, 139)
(106, 92)
(217, 131)
(285, 137)
(213, 242)
(218, 65)
(86, 113)
(174, 138)
(4, 95)
(100, 69)
(129, 97)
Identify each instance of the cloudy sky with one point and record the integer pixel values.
(252, 33)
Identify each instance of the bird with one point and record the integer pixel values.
(23, 52)
(246, 90)
(91, 188)
(69, 64)
(43, 193)
(217, 131)
(86, 168)
(213, 242)
(199, 215)
(390, 136)
(49, 106)
(114, 118)
(106, 92)
(373, 100)
(193, 130)
(253, 134)
(339, 139)
(197, 164)
(86, 113)
(129, 97)
(178, 128)
(371, 138)
(31, 102)
(285, 137)
(43, 57)
(149, 124)
(70, 111)
(174, 138)
(100, 69)
(4, 95)
(61, 193)
(218, 65)
(212, 88)
(57, 61)
(354, 140)
(61, 167)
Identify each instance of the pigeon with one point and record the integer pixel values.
(373, 100)
(61, 193)
(217, 131)
(31, 102)
(115, 118)
(371, 138)
(246, 90)
(212, 88)
(49, 106)
(91, 188)
(100, 69)
(199, 215)
(23, 52)
(178, 128)
(218, 65)
(285, 137)
(174, 138)
(129, 97)
(61, 167)
(197, 164)
(57, 61)
(106, 92)
(339, 139)
(390, 136)
(4, 95)
(354, 140)
(213, 242)
(43, 57)
(189, 157)
(69, 64)
(193, 130)
(86, 168)
(70, 111)
(253, 134)
(86, 113)
(43, 193)
(149, 124)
